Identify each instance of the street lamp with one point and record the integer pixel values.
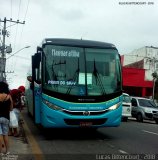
(17, 52)
(4, 63)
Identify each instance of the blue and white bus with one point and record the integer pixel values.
(75, 83)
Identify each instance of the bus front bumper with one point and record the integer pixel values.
(58, 119)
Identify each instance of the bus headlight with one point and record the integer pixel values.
(51, 105)
(115, 106)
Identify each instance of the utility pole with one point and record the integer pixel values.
(3, 47)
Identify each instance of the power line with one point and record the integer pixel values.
(11, 8)
(17, 51)
(144, 57)
(133, 55)
(28, 2)
(15, 35)
(19, 9)
(17, 25)
(26, 58)
(22, 30)
(11, 5)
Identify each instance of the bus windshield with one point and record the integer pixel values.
(81, 71)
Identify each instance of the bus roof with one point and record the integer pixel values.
(77, 43)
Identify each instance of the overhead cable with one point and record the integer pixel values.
(17, 24)
(28, 2)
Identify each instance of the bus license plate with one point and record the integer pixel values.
(86, 124)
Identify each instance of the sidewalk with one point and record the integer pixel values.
(19, 147)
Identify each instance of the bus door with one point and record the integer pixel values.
(36, 75)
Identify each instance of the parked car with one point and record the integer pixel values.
(144, 108)
(126, 107)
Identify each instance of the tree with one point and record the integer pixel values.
(155, 85)
(156, 89)
(155, 75)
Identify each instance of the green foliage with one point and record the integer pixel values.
(155, 75)
(156, 89)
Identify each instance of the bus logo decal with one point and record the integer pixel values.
(86, 113)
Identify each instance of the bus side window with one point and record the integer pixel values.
(106, 67)
(38, 74)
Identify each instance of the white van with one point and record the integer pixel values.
(126, 107)
(144, 108)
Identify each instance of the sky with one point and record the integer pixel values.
(128, 24)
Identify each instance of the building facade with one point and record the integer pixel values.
(143, 58)
(134, 82)
(138, 67)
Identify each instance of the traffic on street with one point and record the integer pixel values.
(78, 80)
(132, 138)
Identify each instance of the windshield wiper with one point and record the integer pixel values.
(75, 76)
(97, 76)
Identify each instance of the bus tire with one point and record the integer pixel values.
(125, 119)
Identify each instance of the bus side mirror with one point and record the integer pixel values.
(29, 78)
(31, 86)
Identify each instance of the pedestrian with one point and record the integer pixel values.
(22, 89)
(6, 105)
(16, 96)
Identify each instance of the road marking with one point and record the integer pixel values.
(123, 152)
(36, 151)
(150, 132)
(110, 145)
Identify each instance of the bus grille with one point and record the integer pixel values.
(81, 113)
(79, 121)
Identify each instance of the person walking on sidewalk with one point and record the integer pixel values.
(6, 105)
(16, 96)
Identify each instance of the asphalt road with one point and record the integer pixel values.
(131, 137)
